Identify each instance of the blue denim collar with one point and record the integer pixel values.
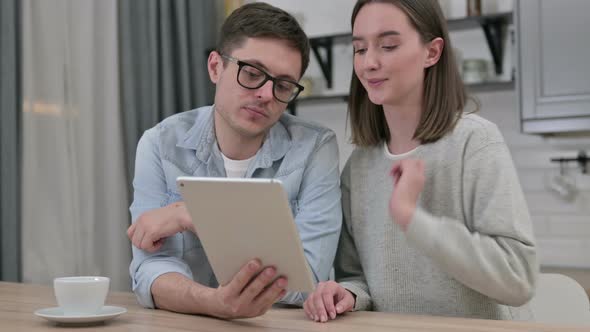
(201, 138)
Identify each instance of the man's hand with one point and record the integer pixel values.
(150, 229)
(250, 293)
(328, 300)
(408, 178)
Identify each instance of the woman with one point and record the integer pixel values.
(449, 232)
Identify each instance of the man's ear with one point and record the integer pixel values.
(434, 48)
(214, 66)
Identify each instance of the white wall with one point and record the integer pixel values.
(562, 227)
(319, 17)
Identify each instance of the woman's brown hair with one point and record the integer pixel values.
(444, 92)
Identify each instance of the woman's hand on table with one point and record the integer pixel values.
(327, 301)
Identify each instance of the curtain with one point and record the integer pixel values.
(10, 141)
(163, 50)
(74, 189)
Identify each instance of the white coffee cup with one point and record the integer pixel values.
(80, 296)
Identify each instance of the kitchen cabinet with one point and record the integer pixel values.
(553, 65)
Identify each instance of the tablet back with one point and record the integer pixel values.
(240, 219)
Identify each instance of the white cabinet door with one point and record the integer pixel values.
(554, 65)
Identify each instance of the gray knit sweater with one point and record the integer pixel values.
(469, 250)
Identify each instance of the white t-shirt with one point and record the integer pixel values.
(236, 168)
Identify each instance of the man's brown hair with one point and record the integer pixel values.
(261, 20)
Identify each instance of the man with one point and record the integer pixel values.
(261, 56)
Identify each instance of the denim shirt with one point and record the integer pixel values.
(303, 156)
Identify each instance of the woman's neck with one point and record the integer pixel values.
(402, 122)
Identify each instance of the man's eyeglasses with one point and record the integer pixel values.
(252, 77)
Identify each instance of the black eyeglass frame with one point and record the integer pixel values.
(267, 77)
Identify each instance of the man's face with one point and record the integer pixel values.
(250, 113)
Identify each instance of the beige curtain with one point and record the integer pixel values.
(74, 194)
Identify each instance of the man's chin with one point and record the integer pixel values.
(252, 133)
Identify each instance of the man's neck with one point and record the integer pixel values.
(234, 145)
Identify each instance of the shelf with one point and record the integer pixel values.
(471, 22)
(325, 61)
(335, 97)
(471, 88)
(490, 86)
(495, 30)
(337, 38)
(292, 107)
(494, 27)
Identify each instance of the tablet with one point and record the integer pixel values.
(240, 219)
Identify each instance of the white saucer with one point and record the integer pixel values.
(56, 314)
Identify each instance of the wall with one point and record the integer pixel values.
(562, 227)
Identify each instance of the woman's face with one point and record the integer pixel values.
(389, 56)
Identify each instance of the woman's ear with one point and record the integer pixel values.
(434, 48)
(214, 66)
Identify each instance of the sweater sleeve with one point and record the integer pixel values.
(347, 266)
(492, 250)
